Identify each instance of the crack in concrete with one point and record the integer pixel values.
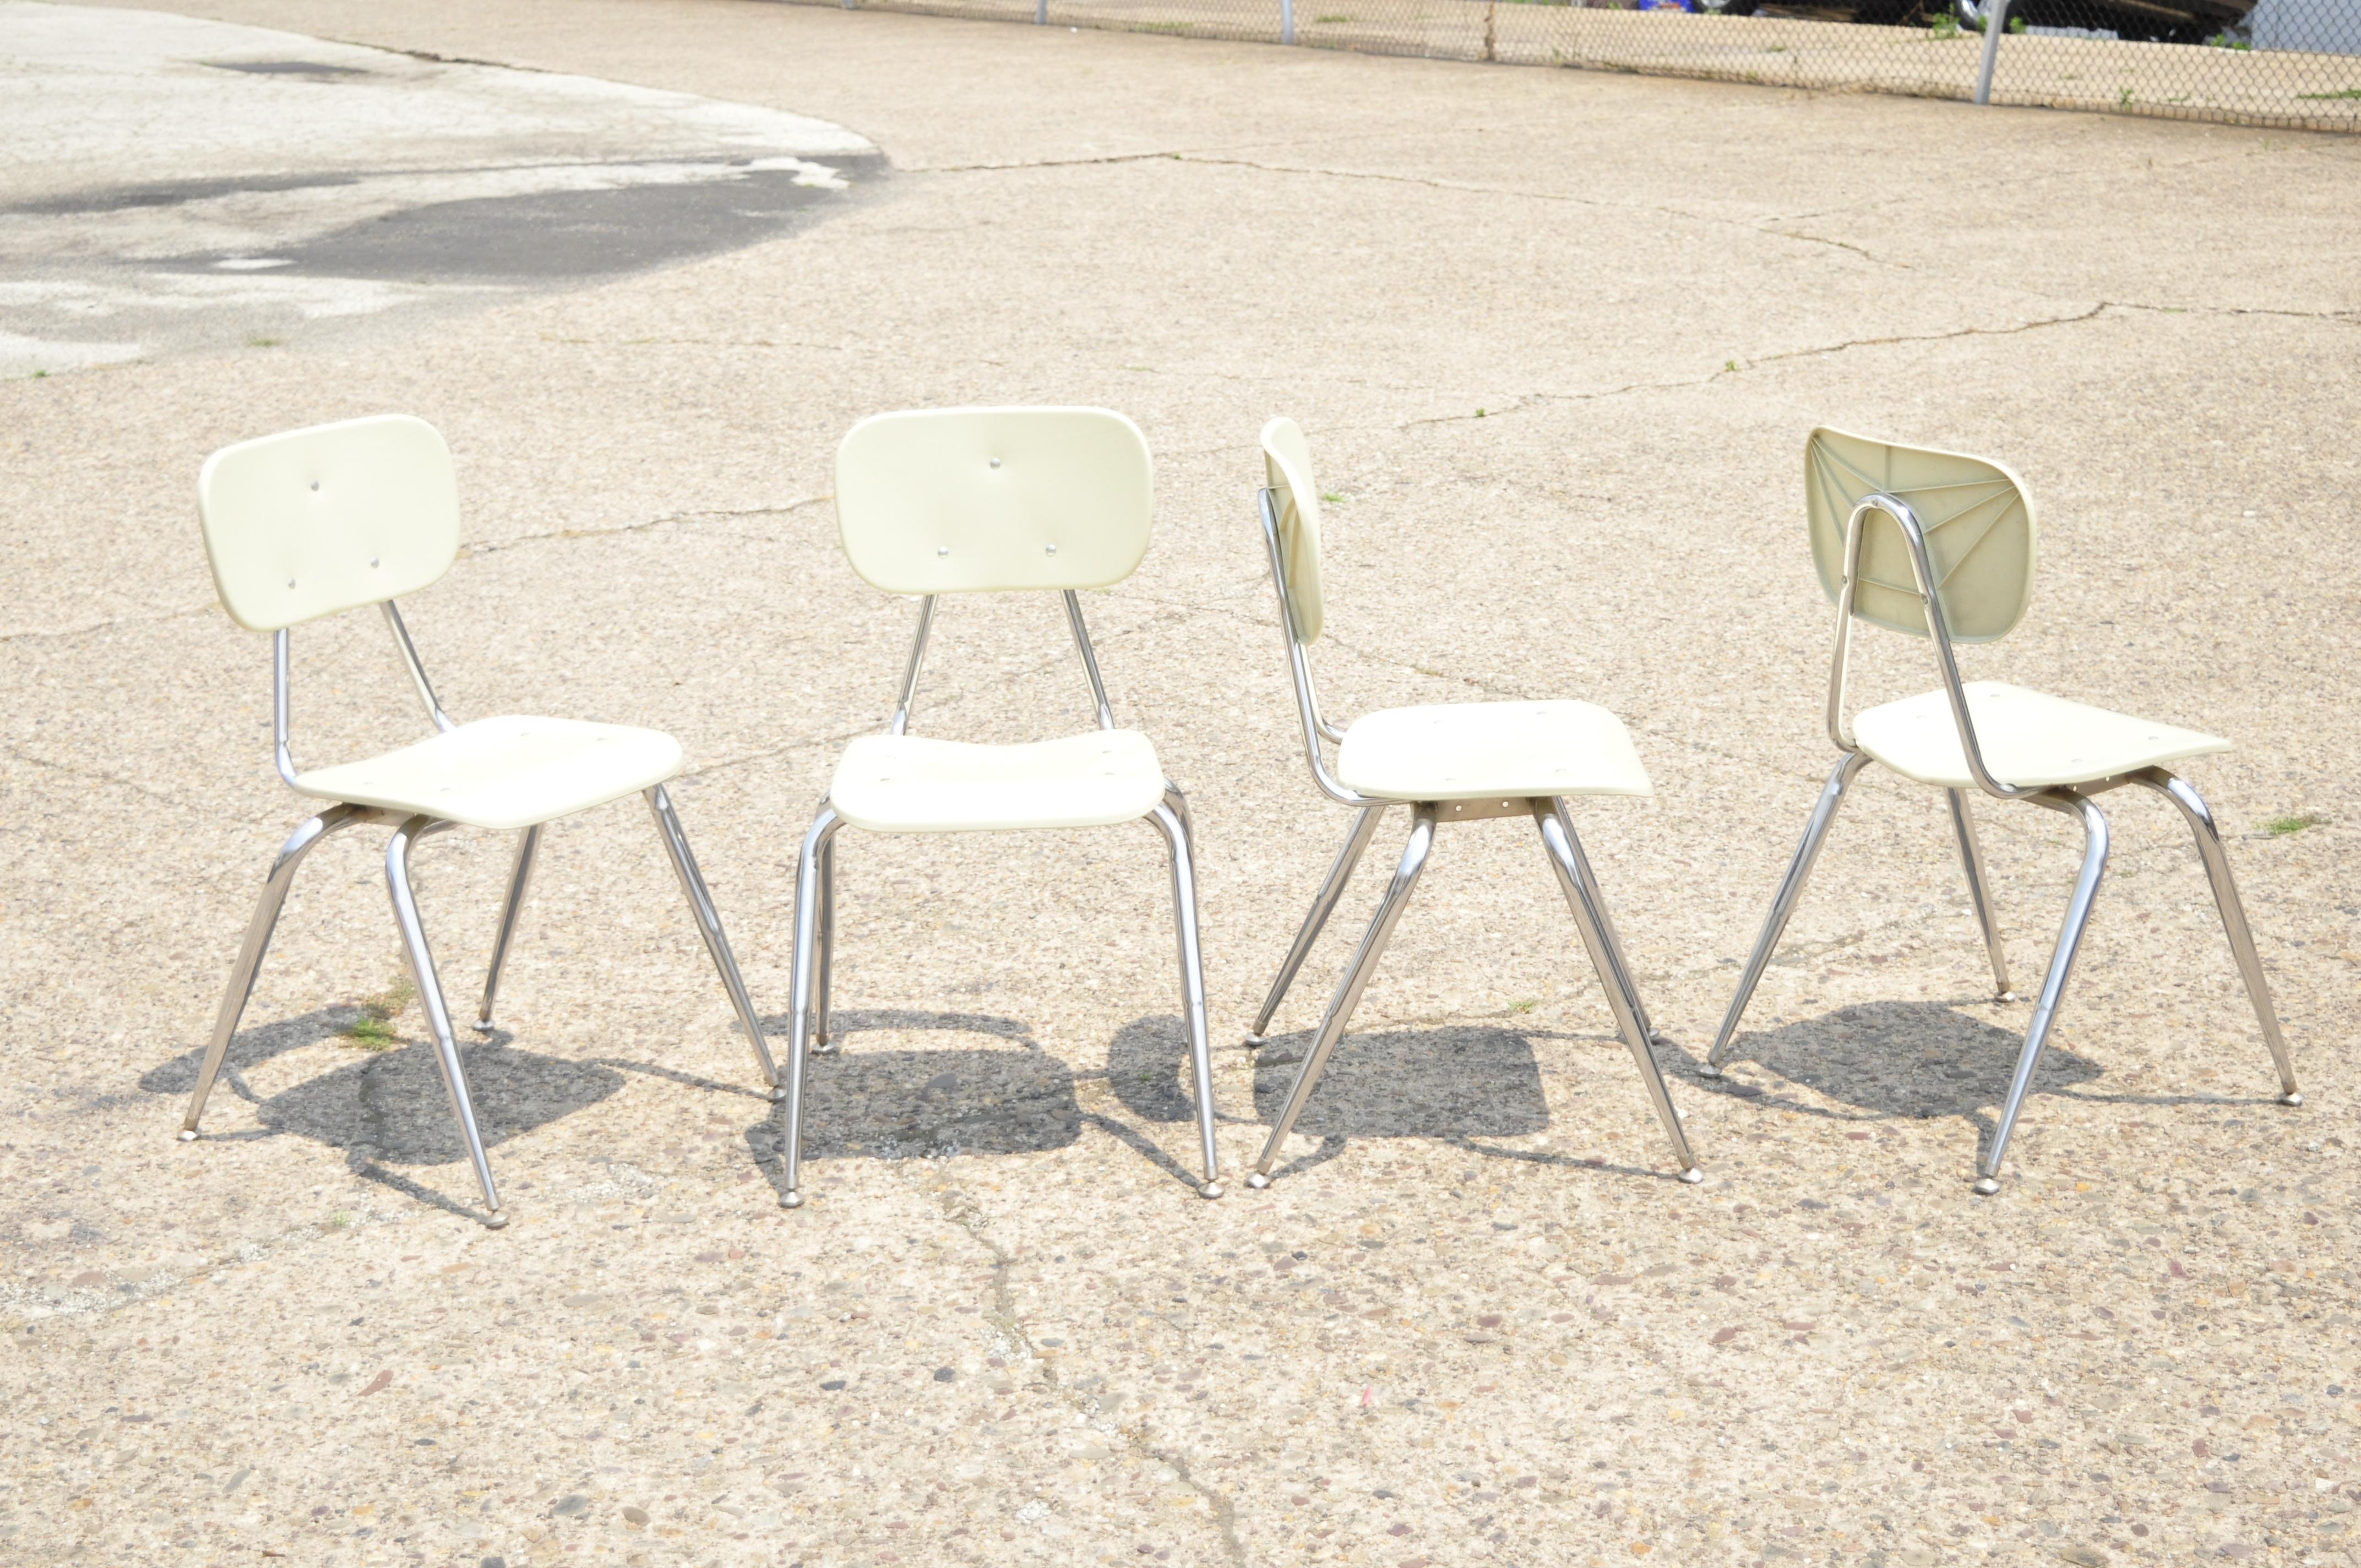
(706, 514)
(962, 1210)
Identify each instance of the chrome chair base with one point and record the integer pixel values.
(815, 942)
(408, 831)
(1584, 898)
(2075, 801)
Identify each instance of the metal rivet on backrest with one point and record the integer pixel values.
(315, 484)
(995, 462)
(942, 548)
(290, 582)
(1048, 550)
(372, 560)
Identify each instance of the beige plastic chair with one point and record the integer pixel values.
(1940, 545)
(1449, 762)
(310, 523)
(991, 500)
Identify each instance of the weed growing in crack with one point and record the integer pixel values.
(373, 1030)
(2280, 827)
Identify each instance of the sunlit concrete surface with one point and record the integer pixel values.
(1557, 339)
(173, 182)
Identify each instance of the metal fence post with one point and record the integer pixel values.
(1995, 24)
(1286, 21)
(1040, 13)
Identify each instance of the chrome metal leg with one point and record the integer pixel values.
(259, 929)
(527, 843)
(800, 997)
(1348, 989)
(430, 995)
(822, 1041)
(1783, 903)
(1323, 904)
(2234, 917)
(708, 926)
(1590, 882)
(1582, 896)
(2053, 985)
(1971, 856)
(1171, 820)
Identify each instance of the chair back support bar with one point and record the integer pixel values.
(1978, 522)
(312, 522)
(992, 500)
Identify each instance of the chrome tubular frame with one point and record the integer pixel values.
(1588, 905)
(817, 843)
(900, 723)
(1971, 856)
(2200, 816)
(430, 997)
(708, 926)
(2075, 801)
(815, 921)
(1562, 845)
(2053, 983)
(1171, 820)
(1783, 903)
(408, 831)
(264, 921)
(1323, 904)
(1090, 659)
(1355, 980)
(519, 878)
(417, 670)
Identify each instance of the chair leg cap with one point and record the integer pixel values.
(1253, 1041)
(791, 1200)
(1691, 1177)
(1708, 1070)
(1258, 1181)
(483, 1025)
(497, 1219)
(777, 1092)
(1211, 1189)
(2290, 1098)
(1987, 1185)
(2008, 996)
(188, 1135)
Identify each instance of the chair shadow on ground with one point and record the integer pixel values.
(1455, 1084)
(1917, 1060)
(921, 1104)
(389, 1107)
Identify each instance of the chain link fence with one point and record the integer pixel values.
(2294, 63)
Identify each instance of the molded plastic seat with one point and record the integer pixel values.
(505, 772)
(1463, 751)
(911, 783)
(2028, 740)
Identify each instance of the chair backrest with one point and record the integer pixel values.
(986, 500)
(312, 521)
(1978, 520)
(1295, 501)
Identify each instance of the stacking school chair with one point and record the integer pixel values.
(1449, 762)
(310, 523)
(1939, 546)
(991, 500)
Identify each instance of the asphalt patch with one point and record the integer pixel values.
(562, 236)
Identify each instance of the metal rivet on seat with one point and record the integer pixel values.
(996, 462)
(290, 582)
(1048, 550)
(942, 548)
(372, 560)
(315, 484)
